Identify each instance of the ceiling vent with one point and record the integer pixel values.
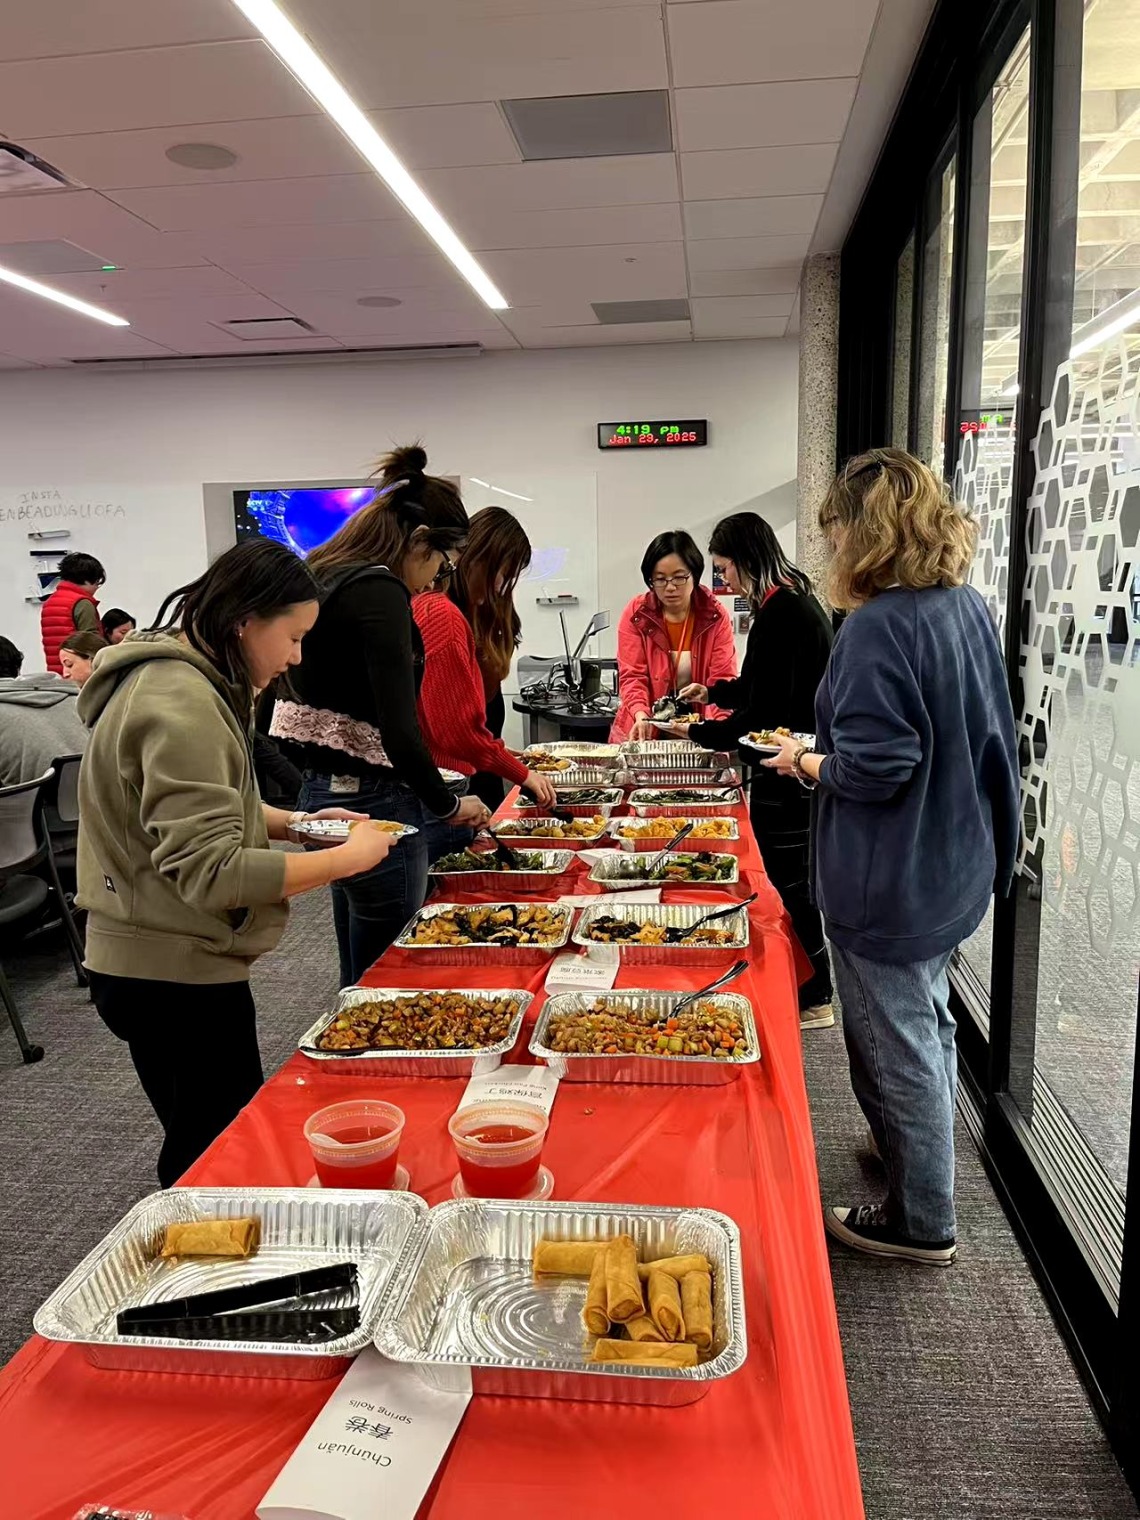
(55, 256)
(591, 126)
(22, 172)
(611, 312)
(262, 329)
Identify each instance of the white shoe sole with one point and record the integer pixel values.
(835, 1226)
(808, 1022)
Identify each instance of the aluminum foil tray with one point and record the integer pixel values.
(555, 864)
(659, 841)
(300, 1228)
(335, 830)
(586, 775)
(482, 954)
(612, 794)
(468, 1300)
(641, 778)
(608, 871)
(577, 749)
(412, 1063)
(747, 743)
(674, 1071)
(659, 747)
(718, 798)
(512, 828)
(678, 915)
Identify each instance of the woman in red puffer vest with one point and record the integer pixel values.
(71, 608)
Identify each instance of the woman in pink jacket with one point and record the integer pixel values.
(674, 635)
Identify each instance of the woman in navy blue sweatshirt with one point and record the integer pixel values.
(916, 826)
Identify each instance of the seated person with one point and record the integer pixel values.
(38, 721)
(117, 624)
(77, 655)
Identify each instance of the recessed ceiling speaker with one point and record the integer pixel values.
(191, 155)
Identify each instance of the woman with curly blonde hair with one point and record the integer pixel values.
(917, 822)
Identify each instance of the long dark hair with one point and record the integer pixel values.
(749, 542)
(407, 504)
(258, 578)
(116, 617)
(497, 551)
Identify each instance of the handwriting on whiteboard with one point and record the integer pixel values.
(52, 505)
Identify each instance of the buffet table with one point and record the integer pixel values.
(775, 1439)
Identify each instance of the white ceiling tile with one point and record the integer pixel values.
(555, 185)
(286, 147)
(94, 223)
(749, 41)
(802, 170)
(713, 309)
(763, 115)
(422, 312)
(350, 277)
(745, 282)
(747, 253)
(604, 336)
(320, 199)
(36, 329)
(447, 137)
(624, 272)
(763, 216)
(482, 228)
(184, 324)
(127, 285)
(410, 59)
(299, 241)
(53, 28)
(148, 87)
(10, 361)
(735, 317)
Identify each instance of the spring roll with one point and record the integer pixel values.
(623, 1288)
(212, 1237)
(643, 1329)
(696, 1305)
(566, 1258)
(676, 1266)
(665, 1305)
(594, 1315)
(648, 1353)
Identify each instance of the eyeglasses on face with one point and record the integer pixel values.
(663, 582)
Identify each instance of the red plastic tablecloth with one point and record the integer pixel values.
(774, 1440)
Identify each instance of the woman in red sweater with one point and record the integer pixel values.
(469, 639)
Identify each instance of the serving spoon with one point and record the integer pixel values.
(722, 981)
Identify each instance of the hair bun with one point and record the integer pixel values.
(402, 463)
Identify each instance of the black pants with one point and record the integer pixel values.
(782, 824)
(195, 1051)
(485, 785)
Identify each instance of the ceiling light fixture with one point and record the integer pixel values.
(49, 293)
(487, 486)
(300, 58)
(1107, 325)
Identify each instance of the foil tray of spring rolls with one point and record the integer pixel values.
(469, 1305)
(516, 933)
(541, 874)
(567, 1009)
(585, 801)
(374, 1061)
(727, 936)
(300, 1228)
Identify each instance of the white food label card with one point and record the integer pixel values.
(596, 971)
(634, 895)
(372, 1451)
(533, 1085)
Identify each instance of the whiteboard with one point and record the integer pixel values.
(149, 539)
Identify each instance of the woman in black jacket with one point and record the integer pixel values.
(350, 722)
(788, 646)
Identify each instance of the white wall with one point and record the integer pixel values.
(150, 441)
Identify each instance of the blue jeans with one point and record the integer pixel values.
(904, 1070)
(441, 837)
(370, 910)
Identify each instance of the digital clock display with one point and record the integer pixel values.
(653, 435)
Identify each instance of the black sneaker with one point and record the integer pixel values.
(868, 1229)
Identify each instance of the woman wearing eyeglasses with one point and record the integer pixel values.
(674, 635)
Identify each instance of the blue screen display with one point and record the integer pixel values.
(298, 518)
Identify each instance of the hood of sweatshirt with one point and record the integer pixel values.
(36, 691)
(114, 665)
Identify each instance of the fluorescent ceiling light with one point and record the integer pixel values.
(487, 486)
(1107, 325)
(49, 293)
(297, 54)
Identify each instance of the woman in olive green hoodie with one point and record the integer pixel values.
(181, 888)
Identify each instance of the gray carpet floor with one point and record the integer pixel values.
(965, 1403)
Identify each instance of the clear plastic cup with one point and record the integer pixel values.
(356, 1144)
(499, 1148)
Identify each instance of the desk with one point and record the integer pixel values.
(774, 1440)
(544, 725)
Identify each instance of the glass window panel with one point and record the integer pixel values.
(900, 359)
(934, 336)
(995, 259)
(1081, 649)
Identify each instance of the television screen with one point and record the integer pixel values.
(298, 517)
